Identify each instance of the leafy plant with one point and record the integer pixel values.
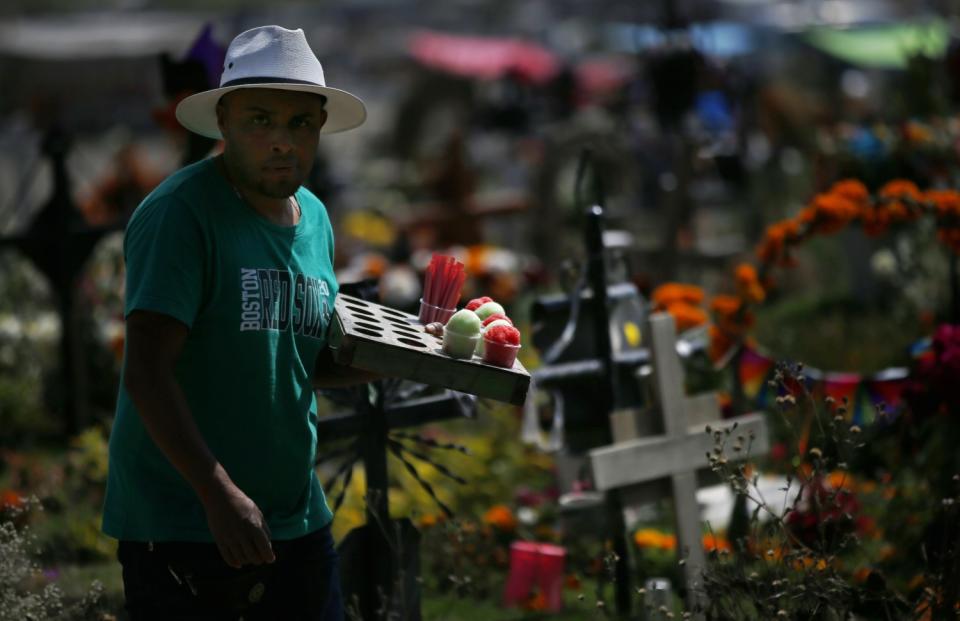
(794, 565)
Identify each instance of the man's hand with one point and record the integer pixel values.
(154, 343)
(238, 527)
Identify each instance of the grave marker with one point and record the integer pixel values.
(635, 466)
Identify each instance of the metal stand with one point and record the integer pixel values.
(597, 273)
(380, 561)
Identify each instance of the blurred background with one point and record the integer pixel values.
(705, 121)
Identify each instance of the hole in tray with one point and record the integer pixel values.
(357, 301)
(392, 312)
(399, 327)
(369, 332)
(411, 342)
(370, 326)
(356, 310)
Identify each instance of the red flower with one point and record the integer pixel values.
(825, 510)
(10, 499)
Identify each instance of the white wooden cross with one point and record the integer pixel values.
(634, 466)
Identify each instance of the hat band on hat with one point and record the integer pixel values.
(266, 80)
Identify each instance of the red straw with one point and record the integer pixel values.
(428, 283)
(443, 283)
(456, 285)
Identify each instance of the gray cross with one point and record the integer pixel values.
(637, 466)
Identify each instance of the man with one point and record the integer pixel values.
(230, 289)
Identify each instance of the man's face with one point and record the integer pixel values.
(270, 137)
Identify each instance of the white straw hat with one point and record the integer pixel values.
(277, 58)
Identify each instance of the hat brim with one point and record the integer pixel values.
(198, 112)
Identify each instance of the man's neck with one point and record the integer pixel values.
(282, 211)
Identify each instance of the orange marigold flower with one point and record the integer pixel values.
(861, 574)
(807, 562)
(730, 318)
(895, 210)
(808, 214)
(712, 542)
(899, 188)
(429, 521)
(500, 517)
(537, 601)
(945, 202)
(776, 238)
(674, 292)
(833, 212)
(840, 480)
(852, 190)
(748, 284)
(653, 538)
(746, 273)
(725, 305)
(720, 344)
(687, 316)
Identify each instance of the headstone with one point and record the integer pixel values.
(637, 467)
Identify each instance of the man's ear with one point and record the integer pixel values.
(323, 119)
(221, 110)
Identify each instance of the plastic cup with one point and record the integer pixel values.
(459, 345)
(499, 354)
(430, 313)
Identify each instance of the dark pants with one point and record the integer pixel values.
(173, 581)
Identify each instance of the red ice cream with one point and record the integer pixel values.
(501, 344)
(494, 317)
(476, 303)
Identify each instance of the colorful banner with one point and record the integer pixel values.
(754, 373)
(863, 393)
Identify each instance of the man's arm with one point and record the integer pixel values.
(154, 343)
(328, 374)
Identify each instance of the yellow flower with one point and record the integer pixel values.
(653, 538)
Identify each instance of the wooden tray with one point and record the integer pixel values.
(383, 340)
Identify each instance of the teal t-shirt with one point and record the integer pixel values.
(257, 298)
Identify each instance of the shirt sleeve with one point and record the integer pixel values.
(164, 252)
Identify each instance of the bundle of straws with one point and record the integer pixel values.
(441, 288)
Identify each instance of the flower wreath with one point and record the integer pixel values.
(846, 202)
